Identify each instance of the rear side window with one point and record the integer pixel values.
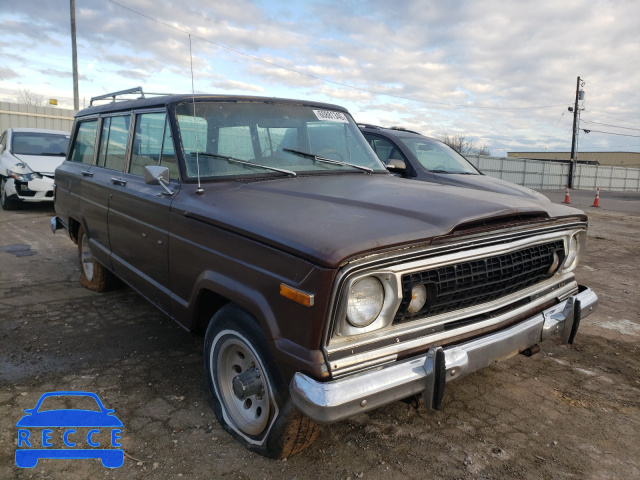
(113, 142)
(85, 143)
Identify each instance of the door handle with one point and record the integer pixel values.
(118, 181)
(86, 173)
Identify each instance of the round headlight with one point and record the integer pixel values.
(418, 298)
(366, 297)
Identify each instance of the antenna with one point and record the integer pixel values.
(199, 191)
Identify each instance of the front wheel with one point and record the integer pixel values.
(6, 202)
(248, 395)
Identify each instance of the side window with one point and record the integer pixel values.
(147, 141)
(384, 148)
(113, 142)
(85, 143)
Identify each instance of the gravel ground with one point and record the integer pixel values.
(567, 412)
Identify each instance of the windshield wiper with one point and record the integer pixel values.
(244, 162)
(320, 159)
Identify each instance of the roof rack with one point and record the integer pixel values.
(402, 129)
(113, 95)
(399, 129)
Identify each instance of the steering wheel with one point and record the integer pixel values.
(330, 153)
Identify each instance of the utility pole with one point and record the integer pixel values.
(74, 55)
(573, 137)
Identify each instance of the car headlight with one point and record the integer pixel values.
(366, 298)
(575, 246)
(22, 177)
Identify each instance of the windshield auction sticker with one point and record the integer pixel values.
(54, 430)
(331, 116)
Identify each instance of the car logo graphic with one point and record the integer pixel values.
(32, 446)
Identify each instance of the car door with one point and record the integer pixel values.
(88, 188)
(139, 213)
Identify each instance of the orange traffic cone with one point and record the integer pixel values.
(566, 196)
(596, 202)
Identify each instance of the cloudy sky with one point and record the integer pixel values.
(501, 73)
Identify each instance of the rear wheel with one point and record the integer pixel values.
(6, 202)
(93, 275)
(248, 394)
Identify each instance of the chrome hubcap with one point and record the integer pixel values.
(240, 379)
(86, 258)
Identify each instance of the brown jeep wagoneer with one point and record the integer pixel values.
(327, 287)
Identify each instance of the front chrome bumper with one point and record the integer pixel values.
(328, 402)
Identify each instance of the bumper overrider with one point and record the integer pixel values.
(327, 402)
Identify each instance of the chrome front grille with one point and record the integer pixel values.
(469, 283)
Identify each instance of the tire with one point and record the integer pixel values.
(6, 202)
(93, 275)
(263, 418)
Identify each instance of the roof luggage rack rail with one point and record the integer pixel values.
(129, 91)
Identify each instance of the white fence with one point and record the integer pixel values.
(16, 115)
(540, 175)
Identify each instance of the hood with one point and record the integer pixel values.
(490, 184)
(40, 163)
(327, 219)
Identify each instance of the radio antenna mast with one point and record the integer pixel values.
(199, 191)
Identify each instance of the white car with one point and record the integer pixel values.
(28, 160)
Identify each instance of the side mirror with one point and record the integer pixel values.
(157, 175)
(1, 148)
(395, 165)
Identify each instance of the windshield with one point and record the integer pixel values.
(438, 157)
(278, 136)
(36, 143)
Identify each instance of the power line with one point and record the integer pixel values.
(591, 112)
(322, 79)
(608, 125)
(564, 110)
(613, 89)
(610, 133)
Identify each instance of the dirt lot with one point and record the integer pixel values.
(567, 412)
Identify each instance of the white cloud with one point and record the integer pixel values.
(486, 53)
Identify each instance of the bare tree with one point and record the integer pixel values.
(27, 97)
(463, 146)
(458, 142)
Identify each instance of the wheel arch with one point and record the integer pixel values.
(214, 290)
(73, 227)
